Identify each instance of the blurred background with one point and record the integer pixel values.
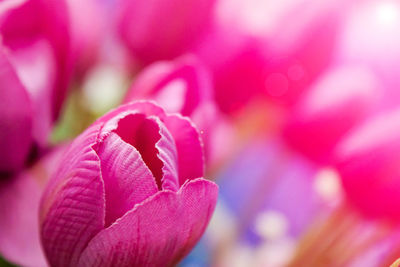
(298, 103)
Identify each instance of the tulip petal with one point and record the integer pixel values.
(15, 118)
(36, 67)
(338, 101)
(127, 180)
(147, 108)
(141, 133)
(157, 232)
(167, 153)
(178, 86)
(188, 145)
(153, 141)
(72, 207)
(147, 81)
(368, 163)
(187, 140)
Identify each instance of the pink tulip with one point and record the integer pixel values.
(162, 29)
(336, 103)
(38, 36)
(34, 59)
(129, 192)
(270, 50)
(367, 160)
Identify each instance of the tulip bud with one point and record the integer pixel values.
(130, 192)
(181, 86)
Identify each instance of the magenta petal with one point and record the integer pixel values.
(146, 83)
(153, 141)
(369, 166)
(32, 20)
(167, 153)
(127, 179)
(187, 140)
(141, 133)
(338, 101)
(72, 207)
(36, 67)
(15, 118)
(157, 232)
(147, 108)
(188, 145)
(178, 86)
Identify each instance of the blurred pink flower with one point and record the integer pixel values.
(367, 160)
(180, 86)
(184, 86)
(34, 60)
(337, 102)
(38, 36)
(129, 192)
(162, 29)
(268, 49)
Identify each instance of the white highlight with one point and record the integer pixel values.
(372, 33)
(327, 184)
(387, 13)
(10, 4)
(271, 225)
(104, 88)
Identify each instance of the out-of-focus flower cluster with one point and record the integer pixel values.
(120, 119)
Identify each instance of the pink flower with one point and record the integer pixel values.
(162, 29)
(38, 36)
(129, 192)
(34, 61)
(184, 86)
(368, 163)
(337, 102)
(260, 49)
